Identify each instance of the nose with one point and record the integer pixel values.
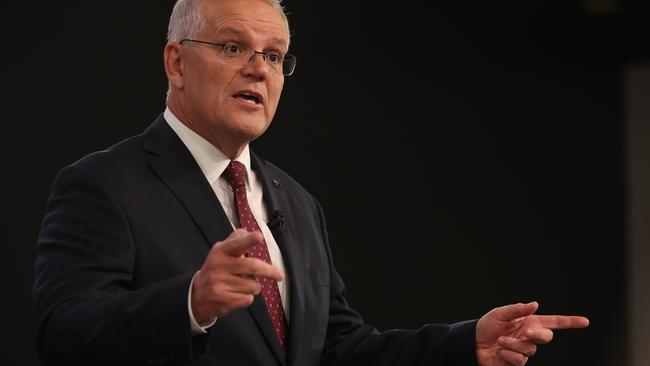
(256, 67)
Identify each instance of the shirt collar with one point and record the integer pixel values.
(211, 160)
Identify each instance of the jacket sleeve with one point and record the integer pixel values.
(351, 342)
(88, 311)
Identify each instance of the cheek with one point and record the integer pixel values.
(275, 90)
(214, 84)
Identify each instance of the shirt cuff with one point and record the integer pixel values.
(197, 329)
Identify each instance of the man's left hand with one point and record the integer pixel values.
(509, 335)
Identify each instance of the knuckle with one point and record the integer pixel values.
(217, 247)
(256, 268)
(247, 287)
(213, 278)
(524, 360)
(550, 336)
(247, 263)
(214, 260)
(519, 359)
(248, 300)
(219, 294)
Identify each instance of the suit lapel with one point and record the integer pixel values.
(275, 199)
(176, 167)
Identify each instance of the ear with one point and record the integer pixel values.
(174, 64)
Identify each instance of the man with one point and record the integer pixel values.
(139, 261)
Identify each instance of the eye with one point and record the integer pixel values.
(232, 49)
(274, 58)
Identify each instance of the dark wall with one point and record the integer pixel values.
(463, 162)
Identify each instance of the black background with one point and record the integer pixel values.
(466, 158)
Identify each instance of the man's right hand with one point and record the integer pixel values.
(226, 281)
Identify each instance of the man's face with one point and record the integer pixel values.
(213, 92)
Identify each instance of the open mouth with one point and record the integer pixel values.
(249, 97)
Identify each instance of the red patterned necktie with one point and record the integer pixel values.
(235, 175)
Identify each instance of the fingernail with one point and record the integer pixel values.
(530, 332)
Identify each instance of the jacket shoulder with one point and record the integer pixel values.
(114, 157)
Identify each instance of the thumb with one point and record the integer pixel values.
(515, 311)
(240, 241)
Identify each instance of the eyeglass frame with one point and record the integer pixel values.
(255, 52)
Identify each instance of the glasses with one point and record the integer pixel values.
(233, 54)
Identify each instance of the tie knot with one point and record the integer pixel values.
(235, 174)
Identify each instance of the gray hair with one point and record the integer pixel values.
(187, 21)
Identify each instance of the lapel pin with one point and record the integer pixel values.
(276, 183)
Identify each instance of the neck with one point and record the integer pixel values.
(229, 146)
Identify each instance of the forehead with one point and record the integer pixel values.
(245, 18)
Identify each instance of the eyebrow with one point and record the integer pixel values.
(237, 32)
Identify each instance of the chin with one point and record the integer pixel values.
(251, 130)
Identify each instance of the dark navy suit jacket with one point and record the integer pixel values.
(126, 228)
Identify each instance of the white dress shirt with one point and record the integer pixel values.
(213, 162)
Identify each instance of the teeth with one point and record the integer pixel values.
(249, 98)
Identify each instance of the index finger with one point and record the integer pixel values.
(240, 241)
(563, 321)
(254, 267)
